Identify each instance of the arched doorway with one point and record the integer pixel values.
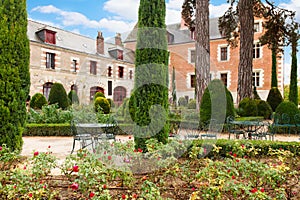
(46, 89)
(119, 95)
(93, 91)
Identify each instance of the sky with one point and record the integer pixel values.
(86, 17)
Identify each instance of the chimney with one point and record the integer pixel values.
(118, 40)
(100, 43)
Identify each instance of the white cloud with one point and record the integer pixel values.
(127, 9)
(116, 25)
(294, 6)
(217, 11)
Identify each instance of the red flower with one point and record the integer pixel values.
(30, 195)
(129, 137)
(24, 167)
(233, 177)
(140, 150)
(234, 155)
(262, 190)
(49, 146)
(230, 153)
(193, 189)
(44, 186)
(243, 146)
(75, 168)
(134, 196)
(237, 160)
(204, 151)
(104, 187)
(109, 157)
(36, 153)
(104, 152)
(253, 190)
(123, 196)
(74, 186)
(0, 148)
(228, 170)
(15, 186)
(92, 194)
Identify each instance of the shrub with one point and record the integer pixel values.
(182, 101)
(247, 107)
(99, 94)
(102, 104)
(213, 93)
(58, 95)
(255, 94)
(274, 98)
(73, 97)
(111, 103)
(37, 101)
(192, 104)
(264, 109)
(289, 108)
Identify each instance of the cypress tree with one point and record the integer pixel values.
(293, 95)
(274, 82)
(148, 104)
(14, 72)
(58, 95)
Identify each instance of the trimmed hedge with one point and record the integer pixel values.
(38, 100)
(274, 98)
(48, 130)
(230, 145)
(247, 107)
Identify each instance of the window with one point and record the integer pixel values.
(256, 79)
(130, 74)
(121, 72)
(50, 60)
(93, 67)
(224, 78)
(192, 56)
(94, 90)
(74, 64)
(120, 55)
(256, 50)
(50, 37)
(119, 95)
(109, 85)
(46, 89)
(224, 53)
(256, 27)
(109, 72)
(193, 81)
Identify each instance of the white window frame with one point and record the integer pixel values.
(219, 52)
(190, 55)
(228, 76)
(72, 69)
(261, 78)
(255, 47)
(260, 28)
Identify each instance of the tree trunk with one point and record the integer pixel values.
(245, 8)
(202, 63)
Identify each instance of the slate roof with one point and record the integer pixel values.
(73, 41)
(182, 35)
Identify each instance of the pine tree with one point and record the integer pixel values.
(149, 101)
(14, 72)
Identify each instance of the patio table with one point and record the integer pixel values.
(250, 127)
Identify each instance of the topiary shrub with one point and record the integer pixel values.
(247, 107)
(111, 103)
(289, 108)
(264, 109)
(99, 94)
(274, 98)
(102, 104)
(73, 97)
(37, 101)
(214, 93)
(255, 94)
(192, 104)
(58, 95)
(182, 101)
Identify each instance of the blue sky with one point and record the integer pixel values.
(86, 17)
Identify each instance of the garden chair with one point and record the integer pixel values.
(262, 130)
(234, 129)
(211, 130)
(108, 131)
(297, 122)
(82, 135)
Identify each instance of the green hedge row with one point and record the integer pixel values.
(228, 146)
(48, 130)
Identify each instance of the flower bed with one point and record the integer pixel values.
(179, 170)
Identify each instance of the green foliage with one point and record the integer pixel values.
(151, 79)
(182, 101)
(214, 93)
(192, 104)
(289, 108)
(274, 82)
(58, 95)
(111, 103)
(293, 95)
(49, 114)
(38, 100)
(14, 72)
(247, 107)
(102, 104)
(264, 109)
(48, 130)
(99, 94)
(73, 97)
(274, 98)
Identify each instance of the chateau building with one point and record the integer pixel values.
(79, 63)
(224, 60)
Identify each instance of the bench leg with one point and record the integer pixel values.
(73, 146)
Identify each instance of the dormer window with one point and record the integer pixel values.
(120, 54)
(47, 36)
